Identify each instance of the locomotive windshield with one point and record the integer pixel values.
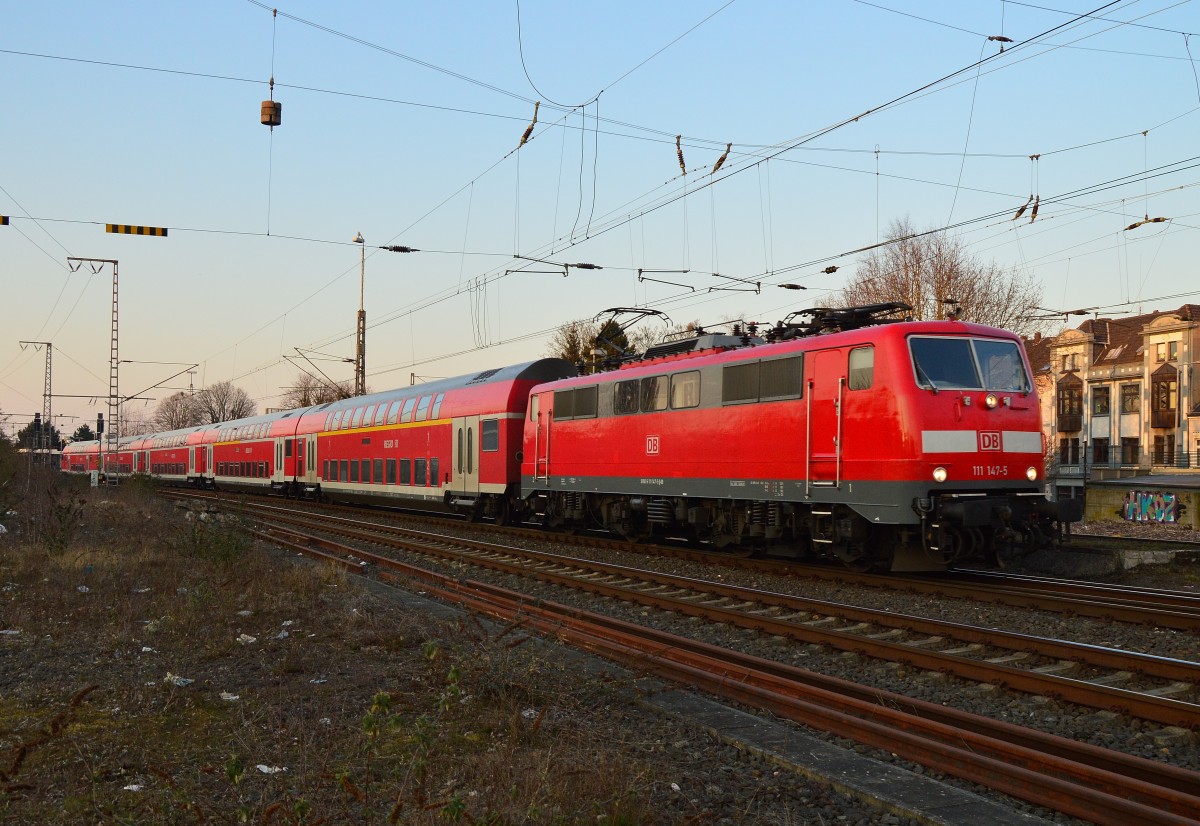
(968, 364)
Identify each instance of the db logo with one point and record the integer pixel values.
(989, 440)
(651, 445)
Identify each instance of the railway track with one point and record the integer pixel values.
(1078, 779)
(1158, 608)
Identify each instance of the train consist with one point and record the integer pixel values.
(886, 444)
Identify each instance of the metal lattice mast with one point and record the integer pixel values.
(44, 437)
(109, 445)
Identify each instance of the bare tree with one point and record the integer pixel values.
(222, 402)
(177, 411)
(136, 422)
(932, 272)
(308, 390)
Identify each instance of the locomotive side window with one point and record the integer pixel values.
(625, 397)
(685, 390)
(654, 393)
(564, 404)
(489, 435)
(584, 403)
(406, 413)
(781, 378)
(862, 368)
(739, 383)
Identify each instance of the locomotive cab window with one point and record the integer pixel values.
(862, 368)
(968, 364)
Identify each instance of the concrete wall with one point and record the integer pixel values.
(1114, 503)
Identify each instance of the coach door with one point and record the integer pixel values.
(826, 386)
(191, 468)
(278, 473)
(466, 455)
(310, 459)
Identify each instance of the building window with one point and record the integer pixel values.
(1164, 450)
(1069, 361)
(1130, 401)
(1129, 450)
(1100, 451)
(1160, 351)
(1068, 451)
(1100, 399)
(1172, 351)
(1164, 402)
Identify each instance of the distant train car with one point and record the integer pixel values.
(902, 446)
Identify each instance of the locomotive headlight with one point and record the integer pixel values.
(991, 400)
(1031, 474)
(939, 474)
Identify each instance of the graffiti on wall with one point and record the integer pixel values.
(1150, 506)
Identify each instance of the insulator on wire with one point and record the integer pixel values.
(529, 128)
(721, 159)
(679, 152)
(1024, 207)
(1036, 204)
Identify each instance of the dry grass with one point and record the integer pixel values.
(359, 712)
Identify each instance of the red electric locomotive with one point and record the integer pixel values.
(893, 446)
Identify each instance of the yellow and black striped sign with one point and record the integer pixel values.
(129, 229)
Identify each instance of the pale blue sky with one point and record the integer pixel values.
(400, 121)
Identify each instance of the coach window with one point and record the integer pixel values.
(394, 412)
(470, 450)
(369, 416)
(625, 397)
(287, 448)
(353, 471)
(437, 406)
(337, 420)
(489, 435)
(378, 471)
(422, 409)
(862, 368)
(419, 472)
(391, 471)
(366, 471)
(381, 414)
(325, 470)
(345, 472)
(358, 417)
(433, 473)
(685, 390)
(329, 421)
(405, 472)
(406, 414)
(654, 393)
